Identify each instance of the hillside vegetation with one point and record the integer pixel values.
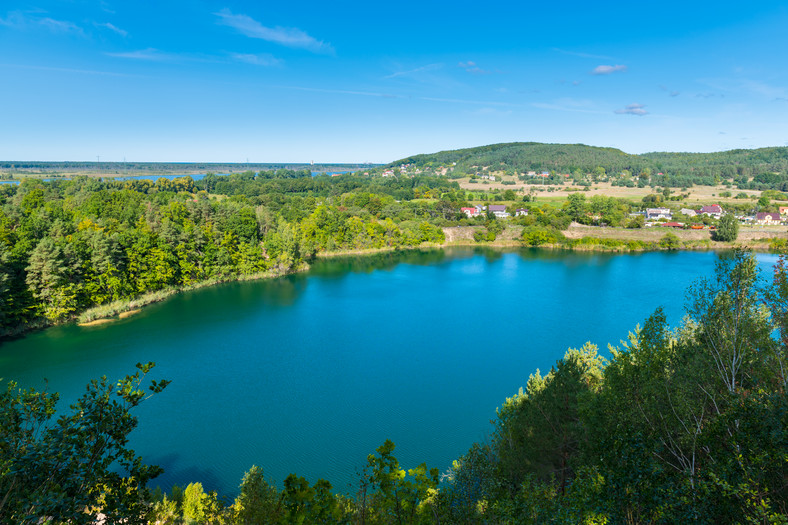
(764, 168)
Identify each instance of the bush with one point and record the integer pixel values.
(539, 235)
(670, 241)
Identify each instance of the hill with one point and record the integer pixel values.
(765, 167)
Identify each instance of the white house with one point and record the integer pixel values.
(499, 210)
(658, 213)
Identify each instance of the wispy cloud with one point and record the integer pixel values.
(263, 59)
(29, 19)
(558, 106)
(672, 93)
(415, 71)
(343, 92)
(67, 70)
(581, 55)
(492, 112)
(285, 36)
(112, 28)
(633, 109)
(150, 54)
(607, 70)
(472, 68)
(745, 86)
(470, 102)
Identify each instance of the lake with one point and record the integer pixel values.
(311, 372)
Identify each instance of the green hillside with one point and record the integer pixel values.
(762, 168)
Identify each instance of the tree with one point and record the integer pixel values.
(728, 229)
(258, 501)
(670, 241)
(48, 277)
(70, 470)
(576, 206)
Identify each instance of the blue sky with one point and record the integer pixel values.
(372, 82)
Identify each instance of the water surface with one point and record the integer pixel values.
(310, 373)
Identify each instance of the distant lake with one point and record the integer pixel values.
(312, 372)
(195, 176)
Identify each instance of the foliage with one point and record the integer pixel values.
(69, 246)
(758, 169)
(540, 235)
(680, 426)
(68, 470)
(670, 241)
(727, 230)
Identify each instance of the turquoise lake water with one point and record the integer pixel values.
(310, 373)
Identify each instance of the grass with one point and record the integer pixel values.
(117, 308)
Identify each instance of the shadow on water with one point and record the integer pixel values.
(332, 267)
(174, 471)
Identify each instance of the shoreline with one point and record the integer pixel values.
(125, 308)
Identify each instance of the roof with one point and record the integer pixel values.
(763, 214)
(714, 208)
(497, 207)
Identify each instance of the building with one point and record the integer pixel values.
(658, 213)
(715, 211)
(688, 212)
(766, 218)
(471, 212)
(499, 210)
(521, 212)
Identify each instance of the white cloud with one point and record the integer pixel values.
(411, 72)
(151, 54)
(491, 112)
(285, 36)
(263, 59)
(113, 28)
(581, 55)
(633, 109)
(24, 20)
(471, 67)
(606, 70)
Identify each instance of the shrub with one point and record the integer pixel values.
(539, 235)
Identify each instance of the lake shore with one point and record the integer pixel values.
(597, 239)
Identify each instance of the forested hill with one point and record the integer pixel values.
(519, 157)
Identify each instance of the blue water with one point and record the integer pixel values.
(311, 373)
(195, 176)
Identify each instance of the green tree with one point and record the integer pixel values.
(728, 229)
(78, 466)
(49, 278)
(576, 206)
(670, 241)
(258, 501)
